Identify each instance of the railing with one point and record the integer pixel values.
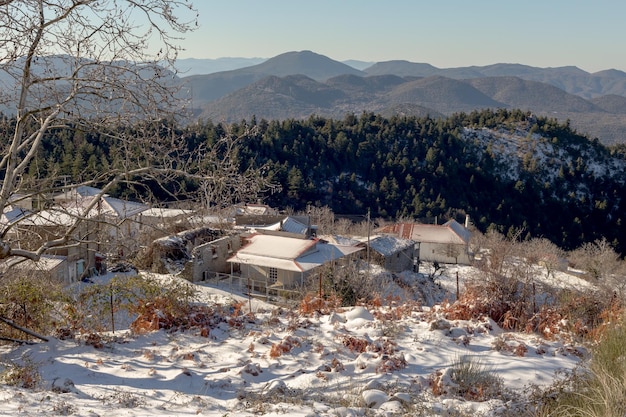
(250, 287)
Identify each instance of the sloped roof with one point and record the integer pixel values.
(67, 214)
(326, 252)
(459, 229)
(166, 212)
(341, 240)
(53, 217)
(287, 253)
(450, 232)
(122, 208)
(12, 214)
(289, 224)
(77, 193)
(388, 245)
(45, 263)
(250, 208)
(279, 247)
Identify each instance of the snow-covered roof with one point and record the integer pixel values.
(45, 263)
(341, 240)
(122, 208)
(256, 209)
(52, 217)
(450, 232)
(388, 245)
(12, 214)
(289, 224)
(279, 247)
(326, 252)
(165, 212)
(289, 254)
(77, 193)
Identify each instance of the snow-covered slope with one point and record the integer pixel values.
(394, 360)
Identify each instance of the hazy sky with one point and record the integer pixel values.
(445, 33)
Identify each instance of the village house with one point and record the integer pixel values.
(115, 223)
(53, 267)
(392, 253)
(278, 224)
(119, 223)
(110, 227)
(447, 243)
(210, 259)
(279, 262)
(31, 229)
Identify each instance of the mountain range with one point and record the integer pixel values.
(299, 84)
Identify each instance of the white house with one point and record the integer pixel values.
(447, 243)
(285, 262)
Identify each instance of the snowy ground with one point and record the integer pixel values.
(356, 361)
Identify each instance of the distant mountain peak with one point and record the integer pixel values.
(316, 66)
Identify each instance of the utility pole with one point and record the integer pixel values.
(368, 242)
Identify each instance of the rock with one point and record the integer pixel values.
(374, 398)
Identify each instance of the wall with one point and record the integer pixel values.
(211, 257)
(448, 253)
(400, 261)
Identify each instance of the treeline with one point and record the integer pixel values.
(411, 168)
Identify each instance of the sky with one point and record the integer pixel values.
(445, 33)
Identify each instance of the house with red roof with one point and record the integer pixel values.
(447, 243)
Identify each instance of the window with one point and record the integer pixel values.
(273, 275)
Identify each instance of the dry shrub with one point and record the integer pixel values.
(95, 340)
(470, 305)
(520, 350)
(336, 365)
(599, 388)
(393, 308)
(311, 303)
(549, 322)
(355, 344)
(608, 317)
(383, 347)
(24, 376)
(30, 300)
(391, 364)
(320, 375)
(159, 314)
(587, 315)
(284, 346)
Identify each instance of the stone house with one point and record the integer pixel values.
(392, 253)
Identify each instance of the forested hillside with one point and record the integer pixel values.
(508, 170)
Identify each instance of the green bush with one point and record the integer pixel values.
(103, 307)
(30, 301)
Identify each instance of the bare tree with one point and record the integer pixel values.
(602, 265)
(224, 181)
(597, 259)
(541, 251)
(104, 67)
